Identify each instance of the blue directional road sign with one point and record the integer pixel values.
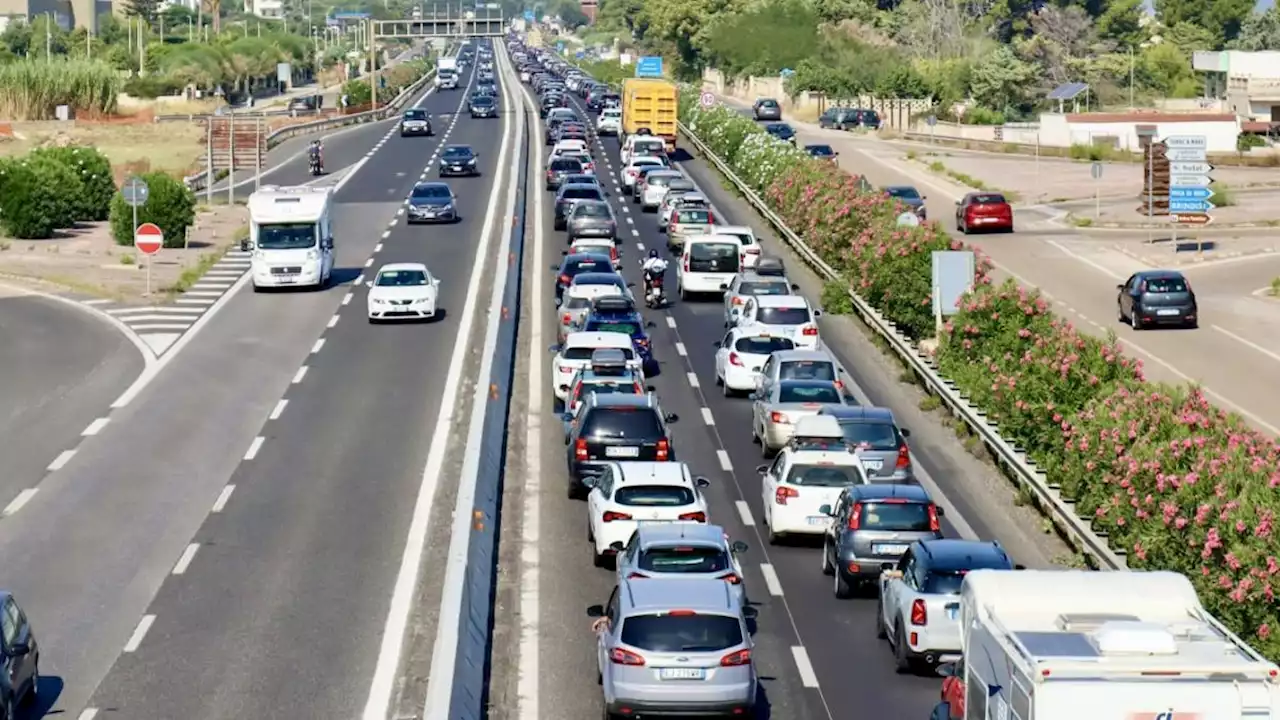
(528, 16)
(1190, 206)
(580, 54)
(560, 47)
(649, 67)
(1191, 192)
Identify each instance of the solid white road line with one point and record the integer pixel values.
(744, 511)
(184, 561)
(139, 633)
(807, 675)
(19, 502)
(771, 580)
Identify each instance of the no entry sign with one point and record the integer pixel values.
(148, 238)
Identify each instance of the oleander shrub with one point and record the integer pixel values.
(1175, 482)
(170, 205)
(92, 200)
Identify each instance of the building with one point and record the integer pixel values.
(589, 8)
(268, 8)
(1249, 82)
(1115, 130)
(67, 14)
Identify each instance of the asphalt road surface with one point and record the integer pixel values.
(818, 657)
(227, 547)
(60, 370)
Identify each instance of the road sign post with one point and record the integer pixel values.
(933, 128)
(1189, 182)
(148, 238)
(135, 192)
(1096, 171)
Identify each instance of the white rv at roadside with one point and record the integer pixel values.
(291, 235)
(1066, 645)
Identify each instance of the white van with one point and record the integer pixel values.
(641, 145)
(708, 264)
(291, 234)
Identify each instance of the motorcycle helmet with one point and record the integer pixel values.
(653, 254)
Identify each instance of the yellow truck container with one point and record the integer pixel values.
(650, 103)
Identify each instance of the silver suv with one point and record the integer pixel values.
(871, 528)
(675, 647)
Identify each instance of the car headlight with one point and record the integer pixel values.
(313, 254)
(472, 161)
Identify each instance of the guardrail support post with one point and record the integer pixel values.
(231, 158)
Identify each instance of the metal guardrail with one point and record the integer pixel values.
(1034, 479)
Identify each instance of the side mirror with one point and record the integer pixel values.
(957, 203)
(947, 669)
(671, 417)
(564, 388)
(795, 287)
(702, 482)
(1120, 286)
(754, 396)
(591, 482)
(715, 343)
(906, 432)
(924, 197)
(596, 611)
(750, 613)
(1019, 567)
(817, 313)
(724, 286)
(825, 510)
(738, 546)
(762, 469)
(728, 325)
(554, 268)
(19, 650)
(942, 512)
(650, 324)
(631, 285)
(368, 283)
(563, 253)
(617, 546)
(554, 349)
(246, 245)
(650, 388)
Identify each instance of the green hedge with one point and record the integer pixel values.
(50, 189)
(1177, 483)
(170, 205)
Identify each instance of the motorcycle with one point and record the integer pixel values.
(317, 166)
(654, 295)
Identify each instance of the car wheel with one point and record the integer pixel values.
(840, 587)
(773, 537)
(1193, 324)
(827, 567)
(901, 662)
(1120, 314)
(1134, 321)
(728, 391)
(880, 629)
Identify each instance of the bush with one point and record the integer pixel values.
(30, 207)
(170, 205)
(93, 199)
(1177, 483)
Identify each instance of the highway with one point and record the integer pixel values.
(62, 367)
(818, 657)
(227, 546)
(1235, 344)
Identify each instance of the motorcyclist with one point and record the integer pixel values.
(654, 268)
(316, 153)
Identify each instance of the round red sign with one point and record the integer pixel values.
(148, 238)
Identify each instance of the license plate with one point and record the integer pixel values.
(1166, 312)
(872, 464)
(682, 673)
(818, 520)
(457, 168)
(287, 278)
(622, 452)
(890, 549)
(654, 522)
(952, 612)
(428, 214)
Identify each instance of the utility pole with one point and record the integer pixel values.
(373, 70)
(1130, 78)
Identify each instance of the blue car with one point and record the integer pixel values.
(618, 314)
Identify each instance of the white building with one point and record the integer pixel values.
(1248, 81)
(268, 8)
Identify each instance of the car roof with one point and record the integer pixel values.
(400, 267)
(954, 554)
(667, 533)
(803, 356)
(710, 596)
(781, 301)
(758, 278)
(627, 401)
(890, 491)
(734, 230)
(585, 256)
(654, 473)
(599, 278)
(819, 146)
(860, 413)
(645, 160)
(432, 184)
(1154, 274)
(597, 339)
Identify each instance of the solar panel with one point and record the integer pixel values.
(1068, 91)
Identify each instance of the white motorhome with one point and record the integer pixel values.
(291, 234)
(447, 73)
(1065, 645)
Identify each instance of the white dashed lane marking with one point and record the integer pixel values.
(139, 633)
(707, 417)
(744, 511)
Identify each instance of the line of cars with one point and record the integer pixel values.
(836, 472)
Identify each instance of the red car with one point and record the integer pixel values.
(953, 688)
(982, 211)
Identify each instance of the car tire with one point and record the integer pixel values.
(1120, 316)
(827, 567)
(841, 587)
(728, 391)
(881, 631)
(773, 537)
(901, 661)
(1135, 322)
(1193, 325)
(601, 561)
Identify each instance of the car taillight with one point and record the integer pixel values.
(700, 517)
(613, 251)
(618, 656)
(565, 369)
(686, 260)
(738, 300)
(810, 331)
(711, 219)
(779, 418)
(904, 456)
(855, 516)
(839, 384)
(781, 494)
(735, 360)
(753, 251)
(550, 174)
(736, 659)
(577, 393)
(631, 173)
(919, 615)
(664, 450)
(934, 524)
(566, 319)
(637, 576)
(611, 516)
(580, 450)
(732, 579)
(565, 279)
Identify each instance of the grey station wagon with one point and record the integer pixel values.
(872, 526)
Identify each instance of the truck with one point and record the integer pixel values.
(1121, 645)
(447, 73)
(650, 103)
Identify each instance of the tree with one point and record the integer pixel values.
(1189, 37)
(763, 40)
(1261, 31)
(1166, 69)
(1221, 18)
(1001, 81)
(145, 9)
(1121, 24)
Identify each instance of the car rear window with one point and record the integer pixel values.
(989, 199)
(823, 476)
(595, 210)
(684, 559)
(682, 633)
(653, 496)
(784, 316)
(807, 370)
(626, 327)
(944, 583)
(577, 303)
(764, 288)
(763, 345)
(610, 387)
(700, 217)
(584, 353)
(809, 394)
(874, 435)
(1166, 285)
(566, 165)
(623, 423)
(581, 194)
(648, 146)
(900, 517)
(585, 266)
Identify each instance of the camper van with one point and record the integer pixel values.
(1065, 645)
(291, 235)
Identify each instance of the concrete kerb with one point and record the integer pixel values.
(1190, 258)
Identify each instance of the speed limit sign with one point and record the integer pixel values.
(707, 100)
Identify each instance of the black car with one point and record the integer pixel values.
(782, 131)
(485, 91)
(21, 658)
(821, 152)
(432, 202)
(570, 194)
(766, 109)
(575, 264)
(1157, 297)
(459, 160)
(415, 121)
(909, 196)
(612, 427)
(484, 107)
(560, 168)
(839, 118)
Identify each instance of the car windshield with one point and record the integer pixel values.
(807, 370)
(1166, 285)
(823, 475)
(586, 193)
(763, 345)
(989, 199)
(769, 104)
(681, 633)
(684, 559)
(566, 165)
(286, 236)
(457, 154)
(612, 114)
(431, 192)
(626, 327)
(694, 216)
(415, 115)
(764, 288)
(808, 394)
(401, 278)
(784, 315)
(905, 193)
(585, 353)
(482, 100)
(653, 496)
(900, 516)
(821, 150)
(873, 435)
(624, 423)
(593, 210)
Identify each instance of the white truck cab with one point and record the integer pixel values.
(291, 235)
(1070, 644)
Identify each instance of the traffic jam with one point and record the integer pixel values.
(836, 477)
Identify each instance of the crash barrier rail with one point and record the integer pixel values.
(467, 689)
(200, 180)
(1060, 511)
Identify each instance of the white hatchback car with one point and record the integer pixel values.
(632, 169)
(402, 291)
(626, 495)
(575, 354)
(811, 471)
(609, 122)
(742, 353)
(565, 147)
(786, 315)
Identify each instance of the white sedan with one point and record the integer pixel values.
(742, 352)
(632, 170)
(626, 495)
(403, 291)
